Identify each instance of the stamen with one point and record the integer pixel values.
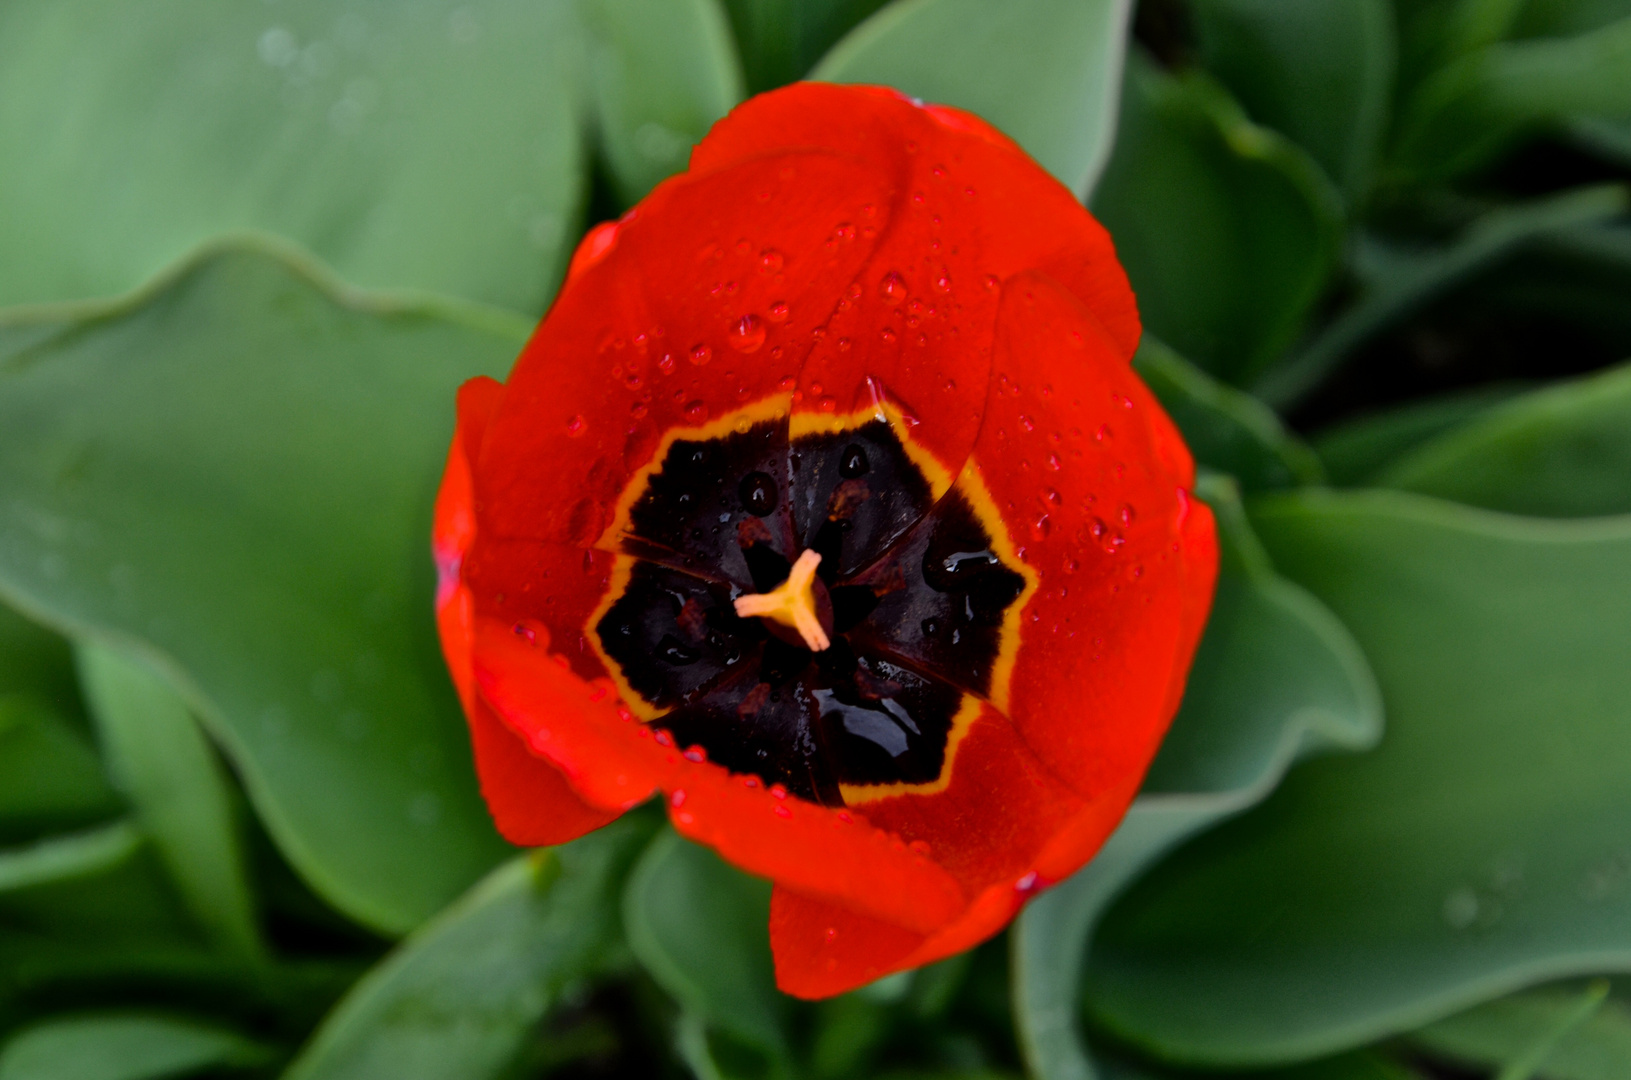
(792, 603)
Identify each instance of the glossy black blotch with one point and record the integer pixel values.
(918, 600)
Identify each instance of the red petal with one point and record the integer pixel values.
(527, 796)
(649, 336)
(530, 800)
(614, 761)
(1033, 220)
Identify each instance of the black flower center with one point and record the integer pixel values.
(913, 594)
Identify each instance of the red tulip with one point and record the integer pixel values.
(825, 501)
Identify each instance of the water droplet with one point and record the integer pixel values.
(942, 282)
(893, 287)
(1026, 422)
(778, 791)
(1053, 496)
(696, 411)
(696, 754)
(1461, 908)
(1122, 400)
(827, 404)
(887, 336)
(786, 383)
(844, 344)
(1103, 434)
(758, 493)
(700, 355)
(783, 812)
(854, 462)
(677, 798)
(666, 364)
(747, 333)
(576, 426)
(1041, 527)
(1027, 883)
(777, 312)
(1127, 514)
(771, 261)
(1055, 463)
(639, 409)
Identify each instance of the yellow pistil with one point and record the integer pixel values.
(792, 603)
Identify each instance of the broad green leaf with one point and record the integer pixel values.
(661, 72)
(1564, 451)
(1227, 230)
(432, 145)
(112, 1046)
(181, 794)
(1047, 72)
(49, 775)
(1227, 429)
(1276, 678)
(1491, 1035)
(231, 473)
(1608, 138)
(1480, 848)
(1477, 106)
(458, 999)
(1320, 73)
(700, 928)
(1356, 450)
(1400, 283)
(782, 39)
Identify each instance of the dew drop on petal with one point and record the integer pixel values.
(747, 333)
(701, 354)
(577, 426)
(771, 261)
(696, 411)
(777, 312)
(666, 364)
(893, 287)
(1041, 527)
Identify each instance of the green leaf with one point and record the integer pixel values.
(161, 760)
(1560, 18)
(459, 998)
(64, 858)
(1227, 230)
(1276, 678)
(700, 928)
(434, 145)
(1356, 450)
(782, 39)
(1047, 72)
(1320, 73)
(1481, 847)
(36, 662)
(123, 1047)
(1476, 107)
(1226, 429)
(1400, 283)
(1498, 1032)
(1564, 451)
(231, 474)
(49, 775)
(661, 73)
(93, 887)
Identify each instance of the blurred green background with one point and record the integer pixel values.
(1382, 249)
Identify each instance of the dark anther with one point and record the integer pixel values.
(758, 493)
(854, 462)
(671, 650)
